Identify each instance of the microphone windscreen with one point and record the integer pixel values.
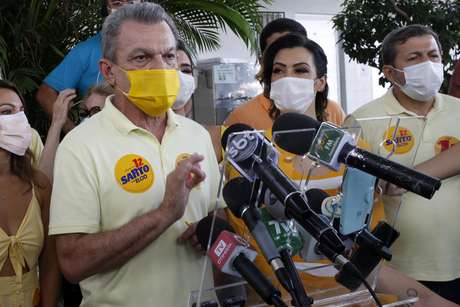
(315, 199)
(297, 142)
(233, 129)
(203, 230)
(237, 194)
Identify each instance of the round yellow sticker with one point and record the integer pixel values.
(402, 143)
(134, 173)
(444, 143)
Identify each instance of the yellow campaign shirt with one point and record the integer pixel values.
(108, 172)
(255, 113)
(36, 147)
(429, 244)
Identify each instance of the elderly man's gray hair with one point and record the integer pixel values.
(146, 12)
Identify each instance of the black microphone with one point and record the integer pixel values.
(332, 146)
(252, 154)
(228, 249)
(237, 194)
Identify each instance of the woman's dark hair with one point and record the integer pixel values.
(288, 41)
(279, 25)
(21, 166)
(182, 46)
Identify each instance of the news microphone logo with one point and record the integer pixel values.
(220, 248)
(226, 248)
(326, 144)
(242, 145)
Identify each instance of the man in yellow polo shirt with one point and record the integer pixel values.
(429, 245)
(130, 179)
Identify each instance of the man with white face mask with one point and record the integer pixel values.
(429, 245)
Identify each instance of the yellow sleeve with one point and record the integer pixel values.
(36, 147)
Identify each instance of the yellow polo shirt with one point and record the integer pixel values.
(109, 171)
(429, 245)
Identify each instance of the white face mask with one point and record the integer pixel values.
(423, 80)
(15, 133)
(187, 87)
(293, 94)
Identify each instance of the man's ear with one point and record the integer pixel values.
(105, 66)
(394, 75)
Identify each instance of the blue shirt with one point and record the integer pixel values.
(79, 69)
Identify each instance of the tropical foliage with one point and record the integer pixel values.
(36, 34)
(364, 23)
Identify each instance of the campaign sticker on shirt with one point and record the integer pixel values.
(444, 143)
(134, 173)
(404, 140)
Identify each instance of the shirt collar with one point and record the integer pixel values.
(393, 107)
(124, 125)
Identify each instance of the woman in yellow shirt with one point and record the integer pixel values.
(25, 248)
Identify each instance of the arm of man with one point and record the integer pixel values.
(83, 255)
(391, 281)
(444, 165)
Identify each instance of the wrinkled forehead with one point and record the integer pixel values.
(156, 38)
(417, 44)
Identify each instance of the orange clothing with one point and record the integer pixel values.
(255, 113)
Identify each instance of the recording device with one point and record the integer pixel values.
(255, 157)
(373, 247)
(230, 254)
(237, 194)
(332, 146)
(357, 200)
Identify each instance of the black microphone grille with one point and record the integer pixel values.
(233, 129)
(237, 194)
(315, 199)
(244, 142)
(203, 230)
(296, 142)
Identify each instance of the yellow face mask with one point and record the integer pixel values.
(153, 91)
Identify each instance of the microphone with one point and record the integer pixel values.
(252, 153)
(237, 193)
(332, 146)
(230, 254)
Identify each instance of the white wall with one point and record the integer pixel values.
(360, 82)
(233, 47)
